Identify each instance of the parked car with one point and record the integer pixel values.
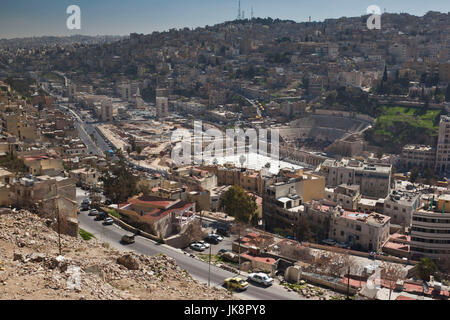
(222, 251)
(101, 216)
(93, 212)
(261, 278)
(223, 232)
(342, 245)
(204, 243)
(236, 283)
(108, 221)
(212, 240)
(329, 242)
(197, 246)
(218, 237)
(128, 239)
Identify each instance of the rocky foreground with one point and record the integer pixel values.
(31, 268)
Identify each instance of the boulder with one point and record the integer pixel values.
(129, 262)
(19, 256)
(37, 257)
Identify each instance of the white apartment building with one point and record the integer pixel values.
(399, 205)
(443, 146)
(430, 233)
(374, 179)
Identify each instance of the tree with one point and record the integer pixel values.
(379, 153)
(143, 187)
(119, 183)
(238, 204)
(304, 230)
(392, 273)
(426, 268)
(414, 174)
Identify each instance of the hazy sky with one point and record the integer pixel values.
(24, 18)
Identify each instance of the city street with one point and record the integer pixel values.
(197, 268)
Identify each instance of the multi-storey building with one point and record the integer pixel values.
(443, 146)
(430, 231)
(374, 179)
(361, 231)
(421, 156)
(399, 205)
(347, 196)
(162, 103)
(283, 200)
(106, 111)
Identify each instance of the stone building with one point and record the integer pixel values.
(49, 197)
(361, 231)
(374, 179)
(399, 205)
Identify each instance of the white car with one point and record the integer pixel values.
(205, 244)
(93, 212)
(219, 238)
(197, 246)
(261, 278)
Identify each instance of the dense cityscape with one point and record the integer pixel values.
(342, 191)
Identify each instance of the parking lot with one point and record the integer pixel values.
(226, 243)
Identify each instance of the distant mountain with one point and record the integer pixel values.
(34, 42)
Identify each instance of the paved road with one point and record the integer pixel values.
(85, 130)
(197, 268)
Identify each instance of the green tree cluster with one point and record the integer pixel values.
(119, 183)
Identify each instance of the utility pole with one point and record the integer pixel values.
(239, 257)
(348, 283)
(209, 267)
(59, 228)
(58, 219)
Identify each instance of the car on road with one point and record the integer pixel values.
(329, 242)
(85, 204)
(93, 212)
(236, 283)
(108, 221)
(197, 246)
(101, 216)
(261, 278)
(212, 240)
(128, 239)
